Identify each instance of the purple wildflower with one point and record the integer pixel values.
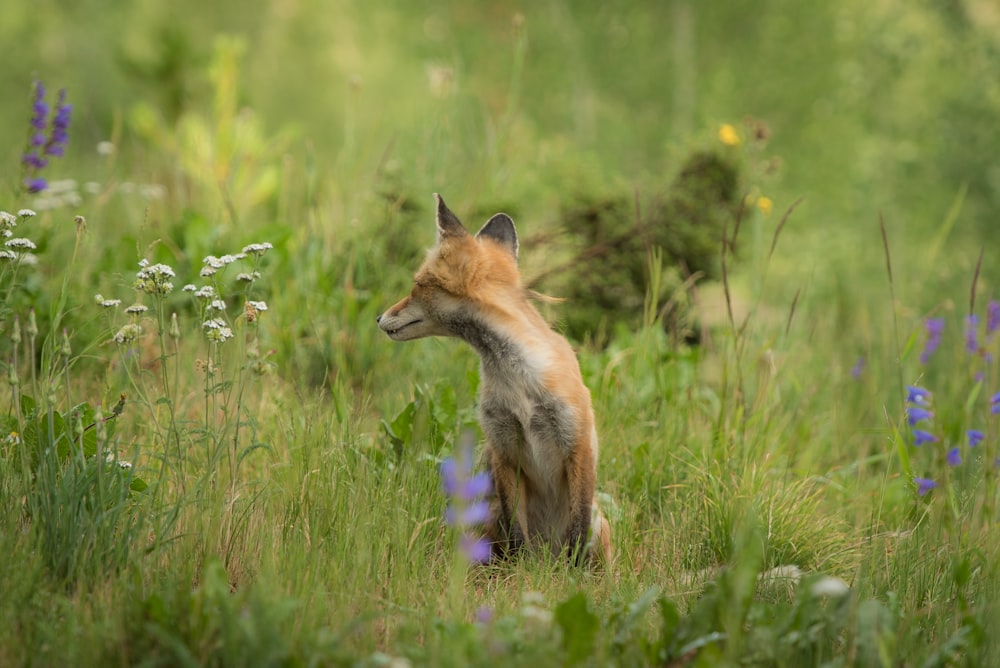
(975, 437)
(476, 550)
(920, 437)
(467, 507)
(858, 368)
(924, 485)
(35, 185)
(992, 316)
(59, 136)
(40, 108)
(484, 614)
(954, 457)
(918, 395)
(935, 327)
(971, 335)
(995, 403)
(915, 414)
(41, 147)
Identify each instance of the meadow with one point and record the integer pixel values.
(210, 454)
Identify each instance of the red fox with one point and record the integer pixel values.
(535, 411)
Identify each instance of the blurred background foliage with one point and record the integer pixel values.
(326, 124)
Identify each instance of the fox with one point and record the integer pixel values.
(535, 411)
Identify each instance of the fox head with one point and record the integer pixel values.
(461, 278)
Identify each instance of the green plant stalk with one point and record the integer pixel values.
(168, 394)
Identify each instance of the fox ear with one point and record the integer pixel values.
(500, 228)
(448, 223)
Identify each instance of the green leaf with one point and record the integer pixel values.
(579, 626)
(634, 615)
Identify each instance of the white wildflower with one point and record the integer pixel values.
(127, 334)
(62, 186)
(207, 271)
(8, 218)
(26, 213)
(154, 279)
(106, 303)
(217, 304)
(258, 306)
(7, 255)
(143, 263)
(533, 611)
(829, 586)
(217, 331)
(190, 287)
(219, 262)
(257, 249)
(248, 277)
(105, 148)
(20, 243)
(207, 292)
(137, 308)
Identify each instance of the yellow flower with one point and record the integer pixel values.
(765, 205)
(728, 135)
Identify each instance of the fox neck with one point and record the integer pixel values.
(499, 350)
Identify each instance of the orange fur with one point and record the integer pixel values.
(535, 411)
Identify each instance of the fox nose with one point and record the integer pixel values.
(378, 319)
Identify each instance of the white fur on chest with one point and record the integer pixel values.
(527, 423)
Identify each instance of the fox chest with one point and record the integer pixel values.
(533, 431)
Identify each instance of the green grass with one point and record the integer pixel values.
(284, 507)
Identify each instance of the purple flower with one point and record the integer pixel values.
(971, 337)
(992, 316)
(476, 550)
(918, 395)
(472, 515)
(484, 614)
(41, 146)
(954, 457)
(935, 327)
(858, 368)
(33, 161)
(467, 507)
(995, 403)
(60, 127)
(920, 437)
(40, 108)
(975, 437)
(35, 185)
(915, 414)
(924, 485)
(462, 484)
(449, 476)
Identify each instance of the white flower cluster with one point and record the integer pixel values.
(154, 279)
(214, 264)
(205, 293)
(19, 248)
(257, 249)
(20, 244)
(217, 331)
(127, 334)
(107, 303)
